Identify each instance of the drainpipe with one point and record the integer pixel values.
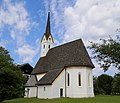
(65, 84)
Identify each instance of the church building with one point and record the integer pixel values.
(61, 71)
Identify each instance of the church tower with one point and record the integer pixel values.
(47, 39)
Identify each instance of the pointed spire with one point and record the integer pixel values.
(48, 31)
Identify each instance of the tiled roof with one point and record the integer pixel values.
(32, 81)
(49, 77)
(70, 54)
(26, 68)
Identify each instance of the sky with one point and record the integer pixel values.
(23, 22)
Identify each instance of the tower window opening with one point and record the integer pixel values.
(50, 39)
(43, 46)
(49, 46)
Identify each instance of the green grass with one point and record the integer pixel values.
(97, 99)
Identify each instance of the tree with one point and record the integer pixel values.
(116, 84)
(5, 58)
(97, 89)
(11, 79)
(105, 83)
(107, 53)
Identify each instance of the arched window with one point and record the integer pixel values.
(79, 79)
(88, 79)
(68, 79)
(44, 46)
(49, 46)
(49, 39)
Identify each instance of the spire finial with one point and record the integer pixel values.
(48, 32)
(48, 8)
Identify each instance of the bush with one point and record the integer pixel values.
(116, 84)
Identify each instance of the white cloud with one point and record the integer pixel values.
(3, 43)
(16, 18)
(27, 53)
(91, 19)
(57, 10)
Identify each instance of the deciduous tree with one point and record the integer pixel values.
(105, 83)
(107, 53)
(11, 79)
(116, 84)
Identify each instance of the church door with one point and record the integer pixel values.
(61, 92)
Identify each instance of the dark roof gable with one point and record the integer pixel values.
(70, 54)
(26, 68)
(49, 77)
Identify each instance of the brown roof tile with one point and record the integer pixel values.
(70, 54)
(49, 77)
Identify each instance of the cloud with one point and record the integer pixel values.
(92, 20)
(3, 43)
(15, 17)
(86, 19)
(26, 53)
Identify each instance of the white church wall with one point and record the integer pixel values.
(30, 92)
(53, 91)
(45, 91)
(90, 84)
(74, 90)
(58, 84)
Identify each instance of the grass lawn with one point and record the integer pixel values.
(97, 99)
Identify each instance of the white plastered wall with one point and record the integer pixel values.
(30, 92)
(74, 90)
(46, 43)
(53, 91)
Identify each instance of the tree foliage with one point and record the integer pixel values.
(116, 84)
(5, 58)
(97, 89)
(11, 79)
(105, 83)
(107, 53)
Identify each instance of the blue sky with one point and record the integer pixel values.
(23, 22)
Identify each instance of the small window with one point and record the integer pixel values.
(68, 79)
(43, 46)
(49, 46)
(44, 88)
(89, 79)
(79, 79)
(49, 39)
